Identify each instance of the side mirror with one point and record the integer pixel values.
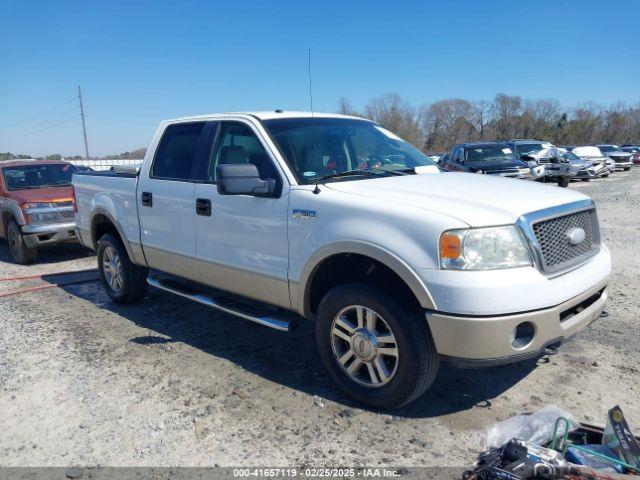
(527, 158)
(243, 179)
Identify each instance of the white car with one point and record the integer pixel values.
(294, 214)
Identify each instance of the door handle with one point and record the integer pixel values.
(203, 207)
(147, 199)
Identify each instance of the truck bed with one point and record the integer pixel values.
(111, 193)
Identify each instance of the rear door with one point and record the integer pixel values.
(166, 201)
(242, 239)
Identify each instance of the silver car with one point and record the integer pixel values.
(622, 160)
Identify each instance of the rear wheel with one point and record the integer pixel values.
(19, 250)
(375, 351)
(564, 182)
(123, 281)
(585, 179)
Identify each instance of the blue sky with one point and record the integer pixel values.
(139, 62)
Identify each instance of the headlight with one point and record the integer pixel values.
(36, 205)
(483, 249)
(42, 218)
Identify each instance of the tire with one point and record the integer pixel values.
(585, 179)
(410, 372)
(605, 176)
(564, 182)
(19, 250)
(130, 282)
(626, 169)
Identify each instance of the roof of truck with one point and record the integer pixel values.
(269, 115)
(29, 162)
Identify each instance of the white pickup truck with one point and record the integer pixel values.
(273, 216)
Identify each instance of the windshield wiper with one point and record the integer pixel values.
(350, 173)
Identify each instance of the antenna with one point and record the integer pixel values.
(309, 72)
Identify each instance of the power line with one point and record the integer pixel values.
(41, 122)
(66, 120)
(39, 114)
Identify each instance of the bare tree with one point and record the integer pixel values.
(441, 124)
(390, 111)
(345, 108)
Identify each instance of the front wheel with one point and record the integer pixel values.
(20, 252)
(564, 182)
(123, 281)
(375, 351)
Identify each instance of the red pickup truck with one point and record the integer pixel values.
(36, 206)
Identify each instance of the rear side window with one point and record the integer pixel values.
(176, 154)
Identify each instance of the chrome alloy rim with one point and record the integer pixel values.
(364, 346)
(112, 268)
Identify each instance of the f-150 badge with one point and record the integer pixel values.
(304, 214)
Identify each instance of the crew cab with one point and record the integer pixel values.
(276, 217)
(36, 205)
(490, 158)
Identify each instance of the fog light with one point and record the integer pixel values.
(522, 335)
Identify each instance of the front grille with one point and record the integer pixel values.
(620, 159)
(68, 215)
(552, 235)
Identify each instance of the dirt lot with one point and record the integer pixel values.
(167, 382)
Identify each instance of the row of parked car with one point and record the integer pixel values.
(540, 160)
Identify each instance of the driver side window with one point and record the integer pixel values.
(238, 144)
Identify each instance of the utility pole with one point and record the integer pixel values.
(84, 128)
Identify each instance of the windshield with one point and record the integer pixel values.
(317, 147)
(570, 156)
(529, 148)
(608, 148)
(488, 153)
(37, 176)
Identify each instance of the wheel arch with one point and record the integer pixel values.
(311, 285)
(103, 222)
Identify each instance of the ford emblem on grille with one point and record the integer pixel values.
(576, 235)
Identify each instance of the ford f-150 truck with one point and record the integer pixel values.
(36, 206)
(273, 216)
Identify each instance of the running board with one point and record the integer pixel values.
(267, 321)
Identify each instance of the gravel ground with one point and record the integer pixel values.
(167, 382)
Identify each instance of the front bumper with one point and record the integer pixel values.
(37, 235)
(622, 165)
(489, 340)
(560, 170)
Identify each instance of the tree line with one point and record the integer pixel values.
(437, 126)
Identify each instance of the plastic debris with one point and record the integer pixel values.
(535, 428)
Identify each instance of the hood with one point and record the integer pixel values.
(619, 154)
(49, 194)
(478, 200)
(550, 152)
(587, 152)
(486, 166)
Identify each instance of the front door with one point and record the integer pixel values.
(242, 239)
